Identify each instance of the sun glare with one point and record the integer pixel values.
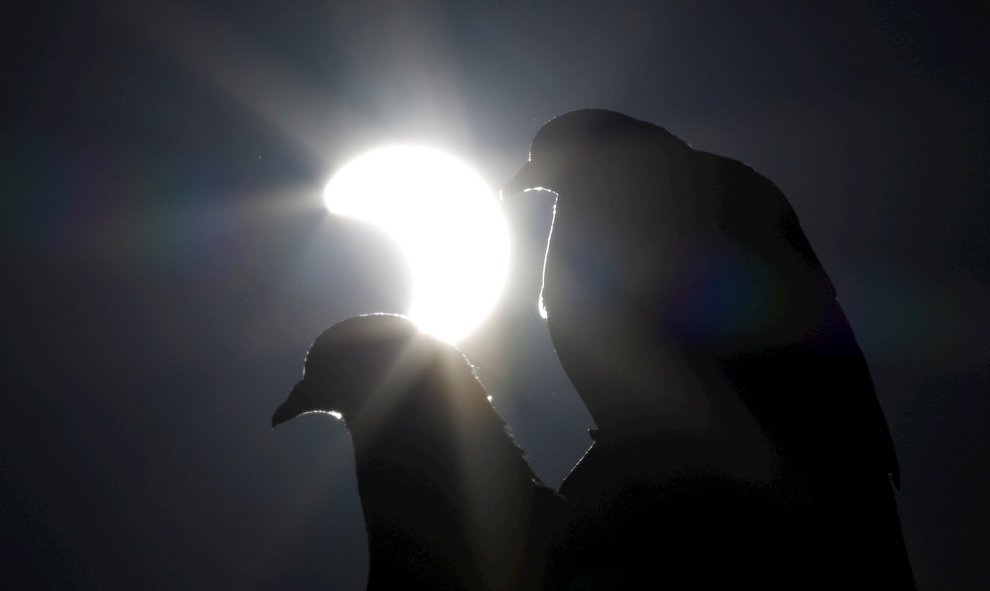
(447, 223)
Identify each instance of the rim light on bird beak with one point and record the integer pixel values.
(524, 180)
(296, 404)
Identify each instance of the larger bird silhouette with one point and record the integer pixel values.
(449, 500)
(739, 437)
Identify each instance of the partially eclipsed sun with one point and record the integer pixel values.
(447, 223)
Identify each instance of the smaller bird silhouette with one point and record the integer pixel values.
(449, 500)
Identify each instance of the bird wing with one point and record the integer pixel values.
(756, 202)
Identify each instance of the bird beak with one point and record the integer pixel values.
(524, 179)
(298, 403)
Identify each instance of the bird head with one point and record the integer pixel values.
(579, 146)
(351, 362)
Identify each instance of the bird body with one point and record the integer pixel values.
(448, 498)
(691, 314)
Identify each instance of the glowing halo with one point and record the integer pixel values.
(447, 223)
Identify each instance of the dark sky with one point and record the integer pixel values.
(166, 261)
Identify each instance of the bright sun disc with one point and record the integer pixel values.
(447, 223)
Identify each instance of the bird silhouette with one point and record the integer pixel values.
(739, 437)
(449, 500)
